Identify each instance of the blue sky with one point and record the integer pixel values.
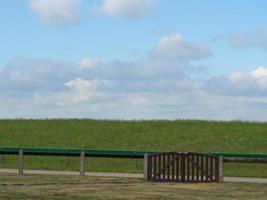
(162, 59)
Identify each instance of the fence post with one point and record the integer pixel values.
(20, 162)
(147, 167)
(82, 163)
(220, 168)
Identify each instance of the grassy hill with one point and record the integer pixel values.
(177, 135)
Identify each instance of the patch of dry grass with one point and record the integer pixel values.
(75, 187)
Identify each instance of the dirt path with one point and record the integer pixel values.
(74, 173)
(245, 180)
(121, 175)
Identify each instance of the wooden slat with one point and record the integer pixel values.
(192, 167)
(188, 167)
(159, 165)
(217, 169)
(202, 168)
(163, 164)
(183, 168)
(178, 178)
(155, 166)
(207, 169)
(173, 166)
(149, 167)
(211, 168)
(197, 168)
(168, 168)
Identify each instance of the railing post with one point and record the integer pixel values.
(82, 163)
(220, 168)
(147, 167)
(20, 162)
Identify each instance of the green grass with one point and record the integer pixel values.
(75, 187)
(179, 135)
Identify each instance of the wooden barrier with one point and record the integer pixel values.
(183, 167)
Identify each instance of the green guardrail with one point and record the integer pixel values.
(75, 152)
(110, 153)
(239, 155)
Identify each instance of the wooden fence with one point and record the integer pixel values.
(183, 167)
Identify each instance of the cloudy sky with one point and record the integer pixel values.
(133, 59)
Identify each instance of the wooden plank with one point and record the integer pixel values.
(217, 169)
(159, 165)
(207, 168)
(188, 168)
(168, 163)
(220, 168)
(173, 166)
(155, 166)
(178, 177)
(197, 168)
(202, 168)
(164, 164)
(211, 169)
(192, 167)
(149, 167)
(183, 168)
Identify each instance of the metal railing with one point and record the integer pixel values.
(47, 151)
(84, 152)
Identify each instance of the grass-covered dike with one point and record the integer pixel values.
(178, 135)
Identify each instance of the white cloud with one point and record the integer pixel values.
(131, 9)
(173, 47)
(58, 12)
(81, 90)
(76, 92)
(16, 75)
(149, 88)
(36, 74)
(89, 63)
(259, 72)
(136, 99)
(247, 84)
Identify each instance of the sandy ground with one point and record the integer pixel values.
(123, 175)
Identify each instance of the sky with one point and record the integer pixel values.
(133, 59)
